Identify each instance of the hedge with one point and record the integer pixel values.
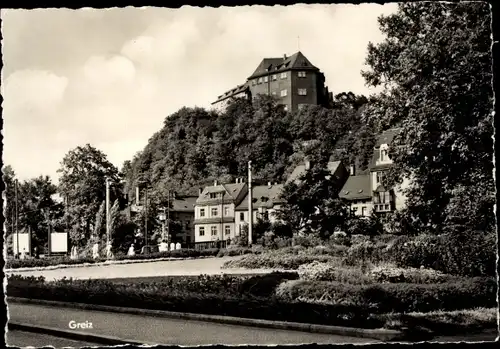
(395, 297)
(225, 301)
(52, 261)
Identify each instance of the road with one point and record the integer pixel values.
(27, 339)
(156, 330)
(209, 266)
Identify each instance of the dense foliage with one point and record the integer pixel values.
(435, 66)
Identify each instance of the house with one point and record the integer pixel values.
(294, 80)
(182, 211)
(357, 188)
(357, 191)
(266, 201)
(214, 215)
(336, 168)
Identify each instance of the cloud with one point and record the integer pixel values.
(110, 77)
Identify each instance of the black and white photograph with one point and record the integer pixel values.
(249, 175)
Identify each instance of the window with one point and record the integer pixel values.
(266, 79)
(227, 230)
(226, 211)
(214, 230)
(213, 195)
(275, 77)
(363, 211)
(254, 82)
(259, 81)
(274, 93)
(283, 75)
(283, 93)
(242, 216)
(302, 92)
(301, 74)
(383, 155)
(202, 212)
(214, 212)
(379, 177)
(202, 231)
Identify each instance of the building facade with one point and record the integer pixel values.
(366, 192)
(182, 211)
(266, 201)
(293, 80)
(215, 211)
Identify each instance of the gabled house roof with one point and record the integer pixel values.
(263, 196)
(386, 137)
(184, 204)
(270, 65)
(356, 188)
(232, 192)
(301, 169)
(233, 92)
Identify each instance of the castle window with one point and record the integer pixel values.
(301, 74)
(302, 92)
(274, 77)
(283, 93)
(283, 75)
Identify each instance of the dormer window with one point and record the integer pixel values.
(383, 156)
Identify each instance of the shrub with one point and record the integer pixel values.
(276, 261)
(327, 272)
(339, 240)
(467, 254)
(388, 273)
(308, 240)
(265, 285)
(401, 297)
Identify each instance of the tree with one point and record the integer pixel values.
(311, 203)
(435, 67)
(37, 208)
(9, 177)
(83, 185)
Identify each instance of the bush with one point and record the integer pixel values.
(387, 273)
(467, 254)
(327, 272)
(265, 285)
(276, 261)
(402, 297)
(308, 240)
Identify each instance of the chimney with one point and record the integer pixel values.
(352, 170)
(137, 196)
(284, 57)
(308, 165)
(215, 183)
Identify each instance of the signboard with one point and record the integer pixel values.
(24, 243)
(58, 243)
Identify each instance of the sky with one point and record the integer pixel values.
(110, 77)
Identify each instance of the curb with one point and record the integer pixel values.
(79, 336)
(100, 264)
(379, 334)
